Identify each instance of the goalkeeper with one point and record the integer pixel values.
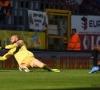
(24, 57)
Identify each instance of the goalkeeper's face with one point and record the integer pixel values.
(13, 39)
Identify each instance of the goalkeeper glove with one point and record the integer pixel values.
(3, 58)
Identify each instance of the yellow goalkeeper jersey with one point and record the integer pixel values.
(20, 52)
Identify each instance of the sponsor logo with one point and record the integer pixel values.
(84, 22)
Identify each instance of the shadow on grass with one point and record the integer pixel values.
(97, 88)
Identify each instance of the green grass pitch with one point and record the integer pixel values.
(39, 79)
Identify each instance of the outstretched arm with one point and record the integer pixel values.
(6, 56)
(11, 46)
(3, 58)
(17, 44)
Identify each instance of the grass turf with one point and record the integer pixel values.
(42, 80)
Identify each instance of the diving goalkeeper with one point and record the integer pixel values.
(24, 57)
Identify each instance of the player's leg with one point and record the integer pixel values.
(95, 51)
(94, 57)
(33, 62)
(99, 64)
(39, 64)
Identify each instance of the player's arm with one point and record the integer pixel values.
(6, 56)
(17, 44)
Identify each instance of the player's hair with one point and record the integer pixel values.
(74, 29)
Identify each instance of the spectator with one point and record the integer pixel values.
(74, 42)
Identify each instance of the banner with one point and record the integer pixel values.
(88, 28)
(86, 24)
(32, 39)
(37, 20)
(61, 60)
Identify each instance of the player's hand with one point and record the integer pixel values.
(3, 58)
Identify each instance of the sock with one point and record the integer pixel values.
(94, 57)
(45, 67)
